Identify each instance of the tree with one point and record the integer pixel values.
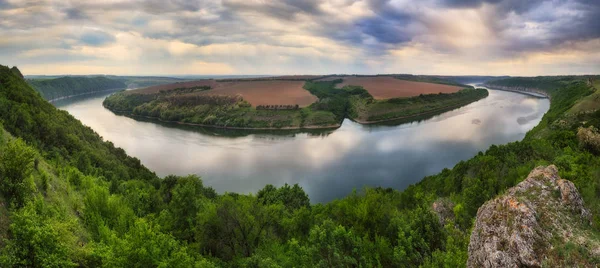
(292, 197)
(37, 240)
(16, 165)
(186, 198)
(237, 225)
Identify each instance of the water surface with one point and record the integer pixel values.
(327, 165)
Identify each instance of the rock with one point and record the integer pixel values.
(443, 209)
(518, 228)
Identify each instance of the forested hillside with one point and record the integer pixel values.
(55, 88)
(70, 199)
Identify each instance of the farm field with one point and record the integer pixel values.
(262, 92)
(387, 87)
(272, 92)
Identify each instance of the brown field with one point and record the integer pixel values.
(269, 92)
(386, 87)
(275, 92)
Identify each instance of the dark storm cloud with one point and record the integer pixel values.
(504, 6)
(389, 24)
(384, 31)
(563, 22)
(588, 26)
(159, 6)
(4, 4)
(468, 3)
(74, 14)
(286, 9)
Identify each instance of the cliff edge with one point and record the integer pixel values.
(542, 221)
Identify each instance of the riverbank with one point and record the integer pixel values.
(527, 91)
(87, 93)
(53, 89)
(367, 111)
(414, 116)
(129, 114)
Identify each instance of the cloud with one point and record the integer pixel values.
(288, 36)
(390, 31)
(96, 38)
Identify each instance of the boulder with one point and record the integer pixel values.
(518, 228)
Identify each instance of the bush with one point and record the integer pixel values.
(16, 165)
(589, 138)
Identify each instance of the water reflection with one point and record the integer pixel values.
(326, 164)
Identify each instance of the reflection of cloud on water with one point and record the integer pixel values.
(526, 119)
(321, 152)
(329, 166)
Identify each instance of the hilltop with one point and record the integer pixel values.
(54, 88)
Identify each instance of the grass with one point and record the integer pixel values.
(588, 104)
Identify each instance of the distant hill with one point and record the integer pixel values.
(67, 86)
(473, 79)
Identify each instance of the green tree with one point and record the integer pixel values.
(292, 197)
(37, 241)
(237, 226)
(186, 198)
(16, 165)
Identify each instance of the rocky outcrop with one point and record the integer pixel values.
(521, 227)
(443, 209)
(525, 90)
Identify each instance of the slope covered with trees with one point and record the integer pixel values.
(67, 86)
(70, 199)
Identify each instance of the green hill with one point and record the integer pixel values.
(67, 198)
(67, 86)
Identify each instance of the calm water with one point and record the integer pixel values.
(327, 165)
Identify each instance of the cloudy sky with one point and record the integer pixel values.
(167, 37)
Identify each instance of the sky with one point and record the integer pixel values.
(286, 37)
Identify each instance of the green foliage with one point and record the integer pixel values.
(59, 136)
(145, 246)
(398, 108)
(236, 226)
(97, 207)
(69, 86)
(37, 240)
(292, 197)
(16, 165)
(333, 99)
(185, 198)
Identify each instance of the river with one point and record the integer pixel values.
(327, 165)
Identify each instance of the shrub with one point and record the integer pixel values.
(16, 165)
(589, 138)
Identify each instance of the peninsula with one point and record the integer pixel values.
(294, 102)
